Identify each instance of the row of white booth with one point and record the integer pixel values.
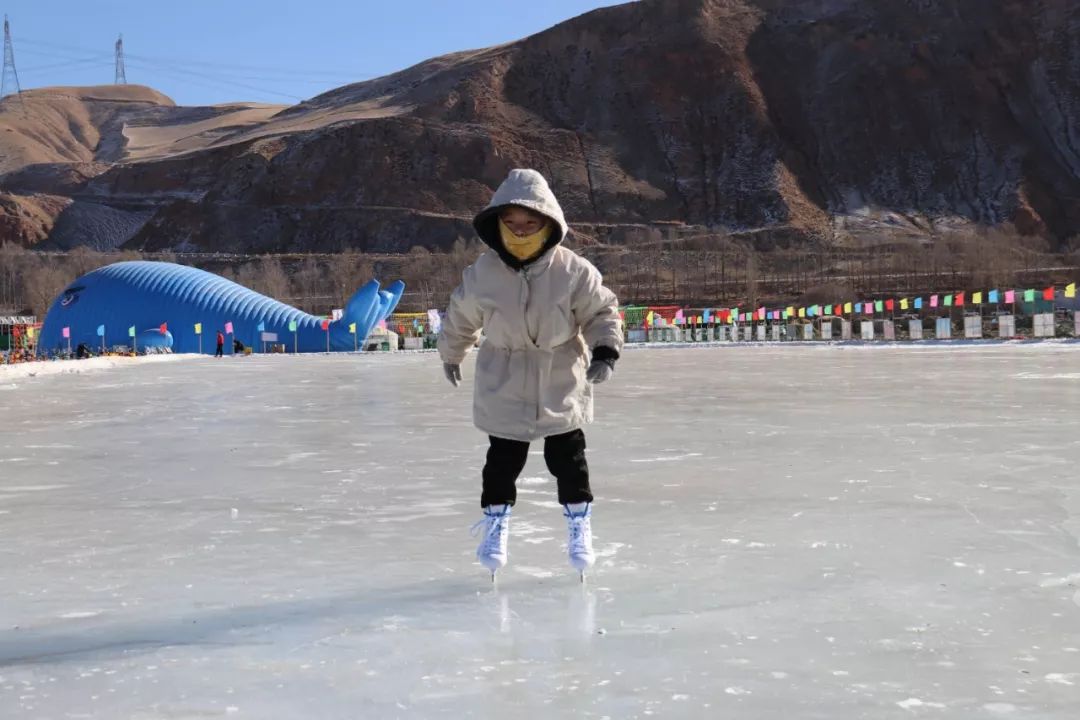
(974, 327)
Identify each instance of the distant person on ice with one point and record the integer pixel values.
(220, 345)
(551, 331)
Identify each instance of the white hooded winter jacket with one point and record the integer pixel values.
(541, 319)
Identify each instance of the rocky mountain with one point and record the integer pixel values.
(814, 121)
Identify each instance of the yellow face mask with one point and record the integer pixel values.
(525, 246)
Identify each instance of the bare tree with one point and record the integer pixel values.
(43, 284)
(272, 277)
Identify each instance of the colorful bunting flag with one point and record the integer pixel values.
(1010, 296)
(1070, 290)
(326, 325)
(918, 303)
(228, 328)
(352, 328)
(847, 308)
(976, 298)
(879, 306)
(828, 309)
(292, 326)
(802, 312)
(1048, 293)
(198, 328)
(903, 303)
(948, 300)
(933, 301)
(1029, 295)
(163, 328)
(993, 298)
(959, 300)
(868, 308)
(261, 327)
(101, 331)
(890, 304)
(131, 331)
(66, 332)
(30, 333)
(791, 311)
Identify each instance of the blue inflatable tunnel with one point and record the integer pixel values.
(146, 295)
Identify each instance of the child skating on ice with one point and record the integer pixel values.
(551, 330)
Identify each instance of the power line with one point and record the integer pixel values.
(271, 71)
(210, 80)
(102, 60)
(279, 72)
(223, 75)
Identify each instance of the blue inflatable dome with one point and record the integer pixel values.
(147, 295)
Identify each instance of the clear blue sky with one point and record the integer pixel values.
(213, 51)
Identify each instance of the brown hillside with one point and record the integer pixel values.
(822, 121)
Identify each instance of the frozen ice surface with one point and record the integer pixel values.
(784, 532)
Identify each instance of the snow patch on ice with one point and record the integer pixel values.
(610, 550)
(1072, 579)
(667, 458)
(912, 703)
(1062, 678)
(546, 504)
(25, 371)
(533, 481)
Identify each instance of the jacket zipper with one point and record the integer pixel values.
(527, 290)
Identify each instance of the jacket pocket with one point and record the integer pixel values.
(566, 386)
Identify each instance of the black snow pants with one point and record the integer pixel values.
(565, 457)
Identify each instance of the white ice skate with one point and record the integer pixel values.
(579, 545)
(495, 529)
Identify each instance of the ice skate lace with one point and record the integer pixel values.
(495, 525)
(579, 526)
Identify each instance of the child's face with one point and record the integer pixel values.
(522, 222)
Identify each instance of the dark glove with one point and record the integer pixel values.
(453, 373)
